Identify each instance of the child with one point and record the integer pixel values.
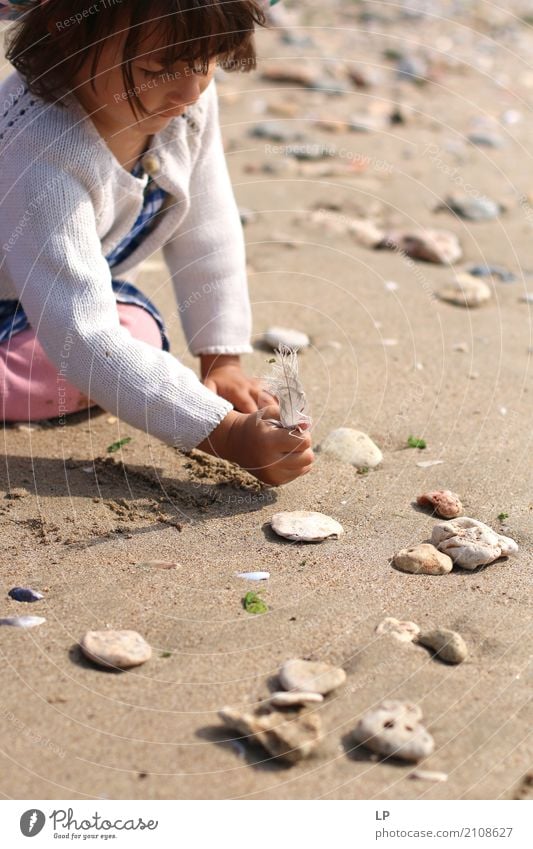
(110, 149)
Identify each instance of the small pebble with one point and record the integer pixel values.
(466, 291)
(276, 336)
(471, 543)
(438, 246)
(115, 649)
(445, 503)
(25, 594)
(16, 493)
(423, 559)
(306, 526)
(253, 576)
(308, 676)
(498, 271)
(448, 646)
(401, 630)
(22, 621)
(394, 729)
(291, 739)
(276, 132)
(426, 464)
(353, 447)
(486, 139)
(283, 699)
(473, 208)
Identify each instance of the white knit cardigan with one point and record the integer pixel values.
(66, 202)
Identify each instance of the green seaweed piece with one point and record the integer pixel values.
(413, 442)
(116, 446)
(252, 603)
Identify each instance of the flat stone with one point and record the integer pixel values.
(472, 208)
(401, 630)
(438, 246)
(471, 543)
(423, 559)
(497, 271)
(393, 729)
(306, 526)
(308, 676)
(486, 139)
(445, 503)
(447, 645)
(290, 739)
(353, 447)
(294, 699)
(276, 336)
(116, 649)
(466, 291)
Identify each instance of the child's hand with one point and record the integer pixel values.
(274, 455)
(223, 374)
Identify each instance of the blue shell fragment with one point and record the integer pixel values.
(25, 594)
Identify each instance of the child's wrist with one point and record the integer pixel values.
(221, 441)
(210, 362)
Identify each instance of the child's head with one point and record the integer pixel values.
(151, 57)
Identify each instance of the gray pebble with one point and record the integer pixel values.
(447, 645)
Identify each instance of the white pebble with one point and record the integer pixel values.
(276, 336)
(253, 576)
(353, 447)
(306, 526)
(22, 621)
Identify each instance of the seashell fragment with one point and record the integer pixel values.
(291, 739)
(308, 676)
(393, 729)
(22, 621)
(306, 526)
(353, 447)
(471, 543)
(466, 291)
(253, 576)
(25, 594)
(401, 630)
(423, 559)
(115, 649)
(428, 775)
(445, 503)
(447, 645)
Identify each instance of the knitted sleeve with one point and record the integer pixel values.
(64, 285)
(206, 256)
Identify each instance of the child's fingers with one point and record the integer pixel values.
(298, 461)
(245, 403)
(209, 383)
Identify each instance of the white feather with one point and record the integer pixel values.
(284, 383)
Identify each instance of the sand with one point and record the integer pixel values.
(71, 730)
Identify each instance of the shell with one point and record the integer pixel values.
(23, 621)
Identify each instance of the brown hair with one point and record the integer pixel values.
(52, 41)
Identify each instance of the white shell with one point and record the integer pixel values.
(22, 621)
(393, 729)
(253, 576)
(276, 336)
(306, 526)
(352, 446)
(471, 543)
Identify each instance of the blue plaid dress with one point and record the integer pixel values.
(12, 316)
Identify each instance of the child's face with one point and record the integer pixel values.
(164, 93)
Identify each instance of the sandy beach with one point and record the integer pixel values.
(412, 106)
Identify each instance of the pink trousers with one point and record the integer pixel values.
(29, 381)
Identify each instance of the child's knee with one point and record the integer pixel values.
(140, 324)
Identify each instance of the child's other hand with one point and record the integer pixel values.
(223, 374)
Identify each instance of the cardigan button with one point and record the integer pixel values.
(151, 164)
